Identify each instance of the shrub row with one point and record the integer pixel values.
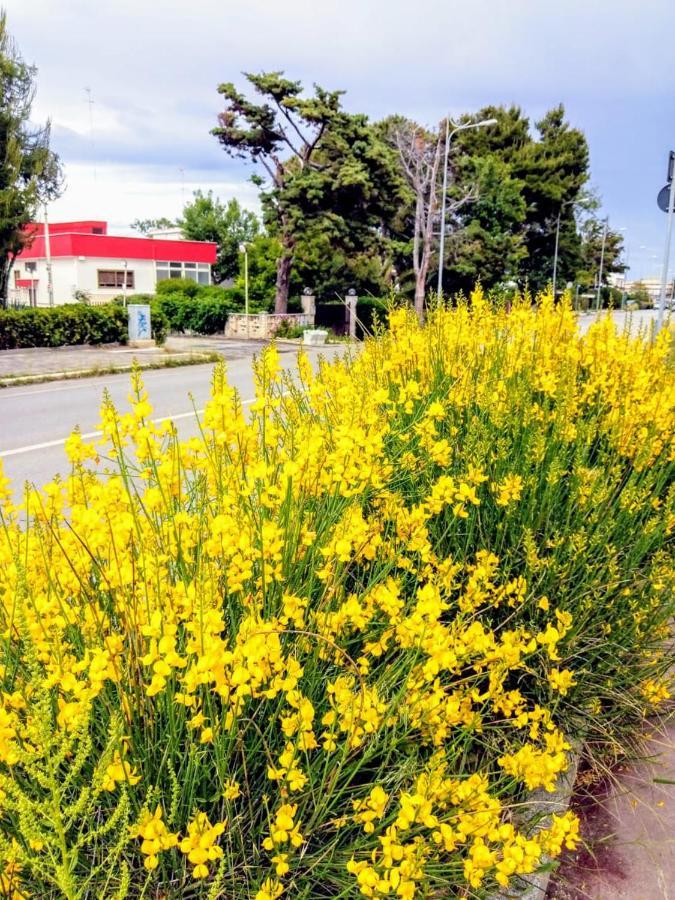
(190, 307)
(53, 327)
(201, 315)
(71, 324)
(178, 306)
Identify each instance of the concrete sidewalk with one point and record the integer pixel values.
(628, 824)
(48, 361)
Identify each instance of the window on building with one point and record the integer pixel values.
(31, 267)
(114, 278)
(199, 272)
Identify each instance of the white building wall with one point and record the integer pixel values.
(64, 278)
(72, 274)
(87, 277)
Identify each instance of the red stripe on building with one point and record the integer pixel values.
(103, 246)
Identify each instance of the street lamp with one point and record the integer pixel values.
(625, 264)
(244, 249)
(602, 262)
(448, 137)
(576, 200)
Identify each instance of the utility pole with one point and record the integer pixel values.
(602, 262)
(555, 252)
(48, 254)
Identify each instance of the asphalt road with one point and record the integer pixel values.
(35, 420)
(641, 320)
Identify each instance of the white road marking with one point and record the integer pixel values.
(84, 384)
(29, 448)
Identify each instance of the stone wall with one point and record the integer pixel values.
(263, 326)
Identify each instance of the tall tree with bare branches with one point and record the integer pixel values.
(421, 154)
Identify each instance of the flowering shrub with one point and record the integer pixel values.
(326, 649)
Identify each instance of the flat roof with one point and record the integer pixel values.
(105, 246)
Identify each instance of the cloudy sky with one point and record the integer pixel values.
(152, 67)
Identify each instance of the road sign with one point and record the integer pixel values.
(666, 201)
(664, 197)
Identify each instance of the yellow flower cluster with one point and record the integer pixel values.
(348, 620)
(155, 836)
(200, 844)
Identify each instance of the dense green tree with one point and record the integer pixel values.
(206, 218)
(329, 177)
(487, 243)
(552, 168)
(592, 233)
(506, 138)
(555, 171)
(29, 171)
(263, 253)
(145, 226)
(506, 188)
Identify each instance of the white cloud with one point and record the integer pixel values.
(119, 194)
(154, 65)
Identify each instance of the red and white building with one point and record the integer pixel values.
(85, 259)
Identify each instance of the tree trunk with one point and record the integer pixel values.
(5, 270)
(284, 265)
(421, 285)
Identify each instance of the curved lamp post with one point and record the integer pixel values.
(448, 137)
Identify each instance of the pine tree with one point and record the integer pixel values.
(30, 173)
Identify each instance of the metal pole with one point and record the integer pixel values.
(248, 327)
(48, 254)
(555, 254)
(602, 263)
(124, 282)
(666, 256)
(246, 280)
(441, 249)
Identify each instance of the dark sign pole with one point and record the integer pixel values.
(669, 231)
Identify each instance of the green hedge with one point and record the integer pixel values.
(72, 324)
(198, 315)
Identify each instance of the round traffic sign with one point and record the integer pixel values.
(664, 198)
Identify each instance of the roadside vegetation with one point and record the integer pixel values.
(329, 646)
(74, 323)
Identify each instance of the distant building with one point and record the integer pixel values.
(652, 285)
(86, 259)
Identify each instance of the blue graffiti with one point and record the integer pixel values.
(143, 325)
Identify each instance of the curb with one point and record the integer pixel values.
(71, 374)
(541, 805)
